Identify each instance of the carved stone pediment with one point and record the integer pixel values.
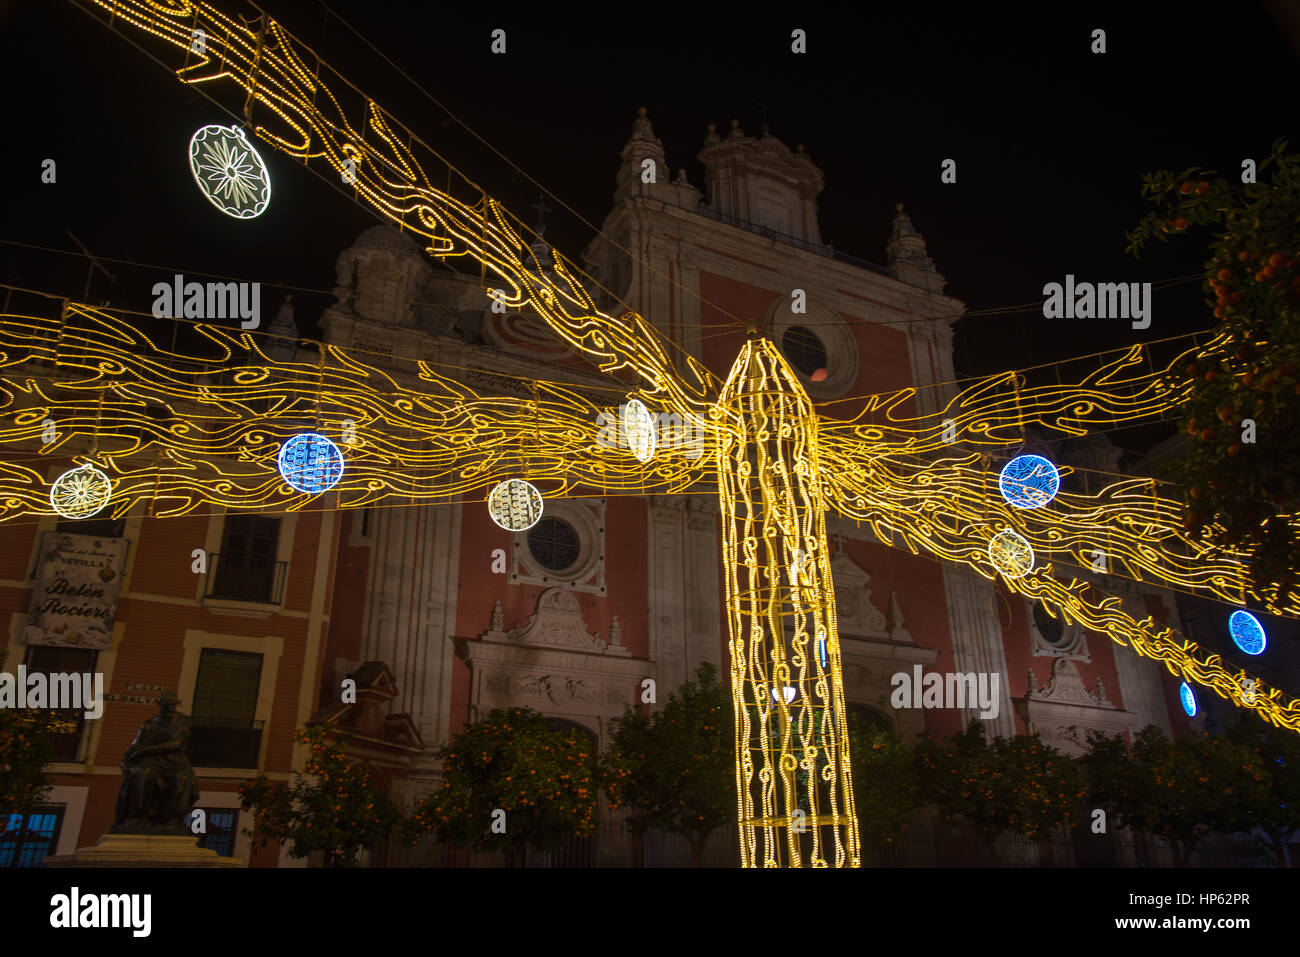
(558, 623)
(1065, 710)
(855, 612)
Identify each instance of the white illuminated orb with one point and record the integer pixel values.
(80, 492)
(229, 171)
(639, 427)
(1011, 554)
(515, 505)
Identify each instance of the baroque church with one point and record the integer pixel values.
(602, 593)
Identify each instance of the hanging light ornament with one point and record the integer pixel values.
(80, 492)
(311, 463)
(515, 505)
(1029, 481)
(1247, 633)
(1188, 699)
(229, 171)
(639, 427)
(1011, 554)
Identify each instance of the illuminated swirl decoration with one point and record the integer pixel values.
(639, 428)
(205, 427)
(1247, 633)
(80, 492)
(230, 172)
(1011, 554)
(515, 505)
(1029, 481)
(311, 463)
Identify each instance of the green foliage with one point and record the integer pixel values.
(886, 781)
(675, 768)
(545, 780)
(1017, 785)
(25, 750)
(1179, 790)
(1239, 491)
(338, 813)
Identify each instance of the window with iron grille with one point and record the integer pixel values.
(224, 732)
(70, 723)
(554, 544)
(220, 823)
(31, 835)
(246, 568)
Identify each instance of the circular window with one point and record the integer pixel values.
(554, 544)
(803, 349)
(1052, 630)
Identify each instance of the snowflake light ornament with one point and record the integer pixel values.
(229, 171)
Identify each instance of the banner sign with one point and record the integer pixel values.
(74, 598)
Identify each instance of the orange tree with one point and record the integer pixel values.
(1181, 790)
(511, 760)
(25, 750)
(675, 768)
(331, 807)
(1242, 482)
(886, 782)
(1012, 785)
(1276, 818)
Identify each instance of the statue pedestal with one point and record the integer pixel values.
(143, 850)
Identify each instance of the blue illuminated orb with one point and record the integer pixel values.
(1188, 699)
(311, 463)
(821, 651)
(1029, 481)
(1247, 632)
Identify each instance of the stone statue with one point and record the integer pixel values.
(158, 784)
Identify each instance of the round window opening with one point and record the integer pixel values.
(803, 349)
(554, 544)
(1052, 630)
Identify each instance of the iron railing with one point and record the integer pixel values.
(225, 742)
(241, 577)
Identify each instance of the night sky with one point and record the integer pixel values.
(1050, 139)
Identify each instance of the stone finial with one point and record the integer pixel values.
(498, 616)
(285, 329)
(736, 132)
(641, 128)
(615, 632)
(1033, 684)
(908, 261)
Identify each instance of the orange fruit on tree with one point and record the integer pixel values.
(1180, 223)
(1185, 189)
(1234, 450)
(1277, 260)
(1225, 273)
(1202, 187)
(1243, 256)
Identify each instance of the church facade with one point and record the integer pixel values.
(415, 605)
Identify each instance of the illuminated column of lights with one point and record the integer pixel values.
(792, 746)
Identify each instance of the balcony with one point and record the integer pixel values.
(239, 577)
(225, 742)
